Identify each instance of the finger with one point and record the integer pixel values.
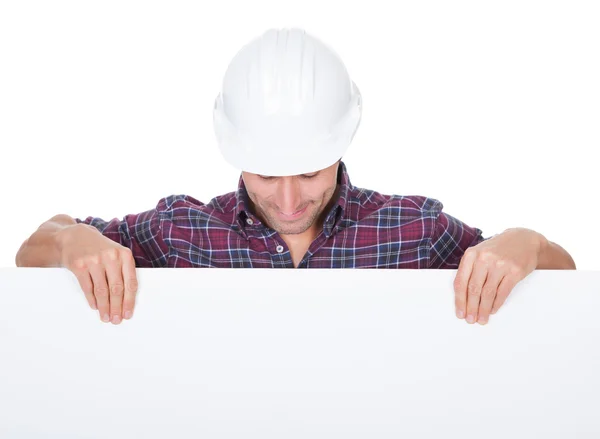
(461, 282)
(116, 288)
(478, 277)
(98, 275)
(85, 281)
(488, 294)
(504, 289)
(131, 283)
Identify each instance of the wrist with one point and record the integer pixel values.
(64, 236)
(543, 244)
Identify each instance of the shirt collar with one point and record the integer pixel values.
(250, 225)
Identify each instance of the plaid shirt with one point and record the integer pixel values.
(364, 229)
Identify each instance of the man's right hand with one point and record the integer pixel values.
(104, 268)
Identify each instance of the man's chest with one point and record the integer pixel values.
(344, 251)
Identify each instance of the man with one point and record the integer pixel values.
(286, 115)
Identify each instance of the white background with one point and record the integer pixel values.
(490, 107)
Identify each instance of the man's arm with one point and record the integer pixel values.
(553, 257)
(41, 249)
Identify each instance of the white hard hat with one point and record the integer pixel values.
(287, 106)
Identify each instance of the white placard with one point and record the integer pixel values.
(265, 353)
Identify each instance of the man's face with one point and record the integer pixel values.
(291, 205)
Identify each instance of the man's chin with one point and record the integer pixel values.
(290, 229)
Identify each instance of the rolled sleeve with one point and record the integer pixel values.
(141, 233)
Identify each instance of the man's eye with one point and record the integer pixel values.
(266, 178)
(309, 176)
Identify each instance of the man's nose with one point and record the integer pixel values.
(289, 197)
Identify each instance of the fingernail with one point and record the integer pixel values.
(128, 314)
(482, 321)
(470, 319)
(105, 318)
(94, 307)
(116, 319)
(460, 314)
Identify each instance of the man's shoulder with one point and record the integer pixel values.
(177, 201)
(370, 201)
(176, 206)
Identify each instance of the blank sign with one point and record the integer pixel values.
(267, 353)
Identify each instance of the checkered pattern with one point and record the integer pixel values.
(364, 229)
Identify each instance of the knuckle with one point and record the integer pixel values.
(500, 263)
(132, 284)
(485, 256)
(111, 254)
(116, 289)
(473, 290)
(79, 264)
(128, 306)
(515, 271)
(93, 260)
(101, 291)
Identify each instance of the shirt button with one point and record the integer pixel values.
(279, 248)
(249, 221)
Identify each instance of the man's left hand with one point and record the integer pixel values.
(489, 271)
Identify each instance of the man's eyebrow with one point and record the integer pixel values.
(309, 174)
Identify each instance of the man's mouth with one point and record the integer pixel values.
(292, 215)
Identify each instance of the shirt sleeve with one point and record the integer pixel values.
(141, 233)
(451, 238)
